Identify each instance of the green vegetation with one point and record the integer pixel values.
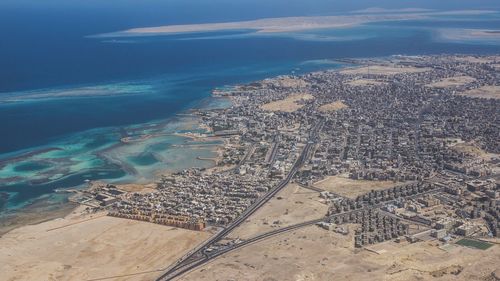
(474, 244)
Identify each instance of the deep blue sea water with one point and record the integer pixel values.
(45, 49)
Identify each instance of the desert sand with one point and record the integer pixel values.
(269, 25)
(38, 212)
(334, 106)
(366, 82)
(351, 188)
(452, 82)
(292, 205)
(286, 82)
(92, 247)
(487, 92)
(472, 148)
(481, 59)
(290, 24)
(289, 104)
(312, 253)
(383, 70)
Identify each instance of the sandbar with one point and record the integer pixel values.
(292, 24)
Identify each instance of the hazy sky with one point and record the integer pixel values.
(202, 10)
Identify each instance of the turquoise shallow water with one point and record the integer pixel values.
(66, 106)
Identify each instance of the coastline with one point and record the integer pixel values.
(35, 213)
(93, 237)
(44, 209)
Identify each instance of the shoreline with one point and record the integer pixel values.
(27, 217)
(41, 210)
(94, 238)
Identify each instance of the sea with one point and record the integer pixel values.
(69, 99)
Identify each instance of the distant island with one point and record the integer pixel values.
(293, 24)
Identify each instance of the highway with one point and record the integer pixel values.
(206, 257)
(248, 212)
(188, 267)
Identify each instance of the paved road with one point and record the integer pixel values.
(188, 267)
(183, 268)
(248, 212)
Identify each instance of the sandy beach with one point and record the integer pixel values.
(38, 212)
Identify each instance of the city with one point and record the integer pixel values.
(424, 130)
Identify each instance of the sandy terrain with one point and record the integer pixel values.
(286, 82)
(290, 24)
(383, 70)
(452, 82)
(334, 106)
(89, 247)
(351, 188)
(269, 25)
(488, 92)
(426, 261)
(37, 212)
(289, 104)
(365, 82)
(462, 34)
(482, 59)
(304, 254)
(295, 205)
(472, 149)
(140, 188)
(313, 253)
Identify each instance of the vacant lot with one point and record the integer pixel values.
(286, 82)
(473, 59)
(455, 81)
(384, 70)
(312, 253)
(366, 82)
(351, 188)
(488, 92)
(87, 248)
(293, 204)
(334, 106)
(289, 104)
